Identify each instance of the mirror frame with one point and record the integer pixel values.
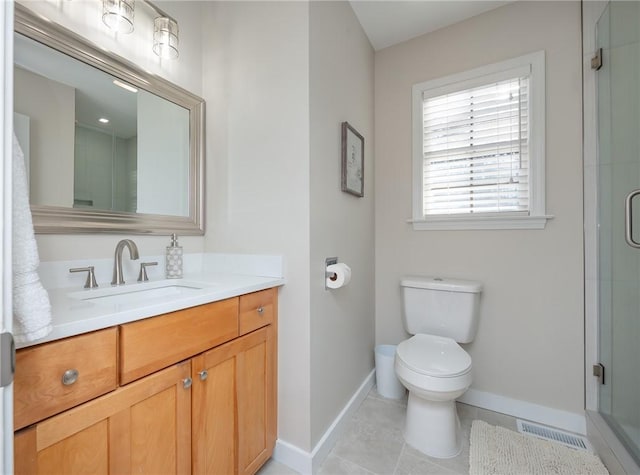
(61, 220)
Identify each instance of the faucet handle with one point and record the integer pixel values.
(91, 276)
(142, 276)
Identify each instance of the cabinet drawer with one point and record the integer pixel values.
(154, 343)
(39, 390)
(257, 310)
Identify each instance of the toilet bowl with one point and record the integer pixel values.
(436, 371)
(439, 313)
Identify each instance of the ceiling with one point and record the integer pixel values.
(388, 22)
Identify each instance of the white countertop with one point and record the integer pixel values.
(74, 314)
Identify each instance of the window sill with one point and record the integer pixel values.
(456, 223)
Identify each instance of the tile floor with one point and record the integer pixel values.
(372, 443)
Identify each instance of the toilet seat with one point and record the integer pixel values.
(434, 356)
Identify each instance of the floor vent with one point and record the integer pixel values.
(554, 435)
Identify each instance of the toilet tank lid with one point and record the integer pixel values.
(437, 283)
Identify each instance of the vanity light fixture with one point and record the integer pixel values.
(124, 85)
(165, 37)
(118, 15)
(165, 34)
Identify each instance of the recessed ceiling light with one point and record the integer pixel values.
(103, 120)
(124, 85)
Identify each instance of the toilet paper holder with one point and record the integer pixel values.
(328, 275)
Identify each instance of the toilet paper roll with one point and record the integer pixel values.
(340, 275)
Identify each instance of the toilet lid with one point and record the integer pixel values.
(434, 356)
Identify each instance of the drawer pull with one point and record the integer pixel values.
(204, 374)
(70, 376)
(260, 310)
(186, 383)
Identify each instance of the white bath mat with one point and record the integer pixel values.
(500, 451)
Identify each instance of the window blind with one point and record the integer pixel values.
(476, 149)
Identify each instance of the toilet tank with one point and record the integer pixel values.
(442, 307)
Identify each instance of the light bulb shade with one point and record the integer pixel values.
(165, 37)
(118, 15)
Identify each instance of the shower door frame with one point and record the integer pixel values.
(607, 444)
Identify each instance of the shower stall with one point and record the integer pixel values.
(612, 223)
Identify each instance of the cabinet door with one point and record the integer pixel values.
(143, 427)
(234, 405)
(256, 386)
(214, 406)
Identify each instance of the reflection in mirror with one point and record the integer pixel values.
(115, 150)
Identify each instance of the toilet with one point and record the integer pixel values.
(439, 313)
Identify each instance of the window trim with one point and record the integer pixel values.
(536, 218)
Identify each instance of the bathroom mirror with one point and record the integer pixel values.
(108, 147)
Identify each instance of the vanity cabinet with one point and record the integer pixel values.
(66, 373)
(143, 427)
(234, 405)
(154, 343)
(196, 394)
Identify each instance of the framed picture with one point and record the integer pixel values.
(352, 161)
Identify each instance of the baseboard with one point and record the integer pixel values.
(566, 420)
(328, 440)
(293, 457)
(307, 463)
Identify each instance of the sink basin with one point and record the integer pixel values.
(136, 293)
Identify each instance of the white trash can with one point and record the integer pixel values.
(386, 380)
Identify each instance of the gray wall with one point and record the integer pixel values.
(530, 342)
(342, 320)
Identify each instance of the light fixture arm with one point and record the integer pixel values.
(159, 11)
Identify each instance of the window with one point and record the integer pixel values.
(479, 148)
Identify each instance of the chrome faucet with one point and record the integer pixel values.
(117, 264)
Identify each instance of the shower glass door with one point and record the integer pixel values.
(618, 102)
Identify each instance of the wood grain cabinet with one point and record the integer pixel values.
(194, 397)
(143, 427)
(65, 373)
(234, 405)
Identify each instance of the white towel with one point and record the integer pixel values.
(31, 306)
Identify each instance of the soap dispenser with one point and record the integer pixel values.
(173, 261)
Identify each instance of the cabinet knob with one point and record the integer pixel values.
(203, 374)
(260, 310)
(186, 383)
(70, 376)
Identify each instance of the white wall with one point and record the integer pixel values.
(256, 83)
(163, 156)
(85, 19)
(342, 321)
(279, 78)
(51, 107)
(529, 345)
